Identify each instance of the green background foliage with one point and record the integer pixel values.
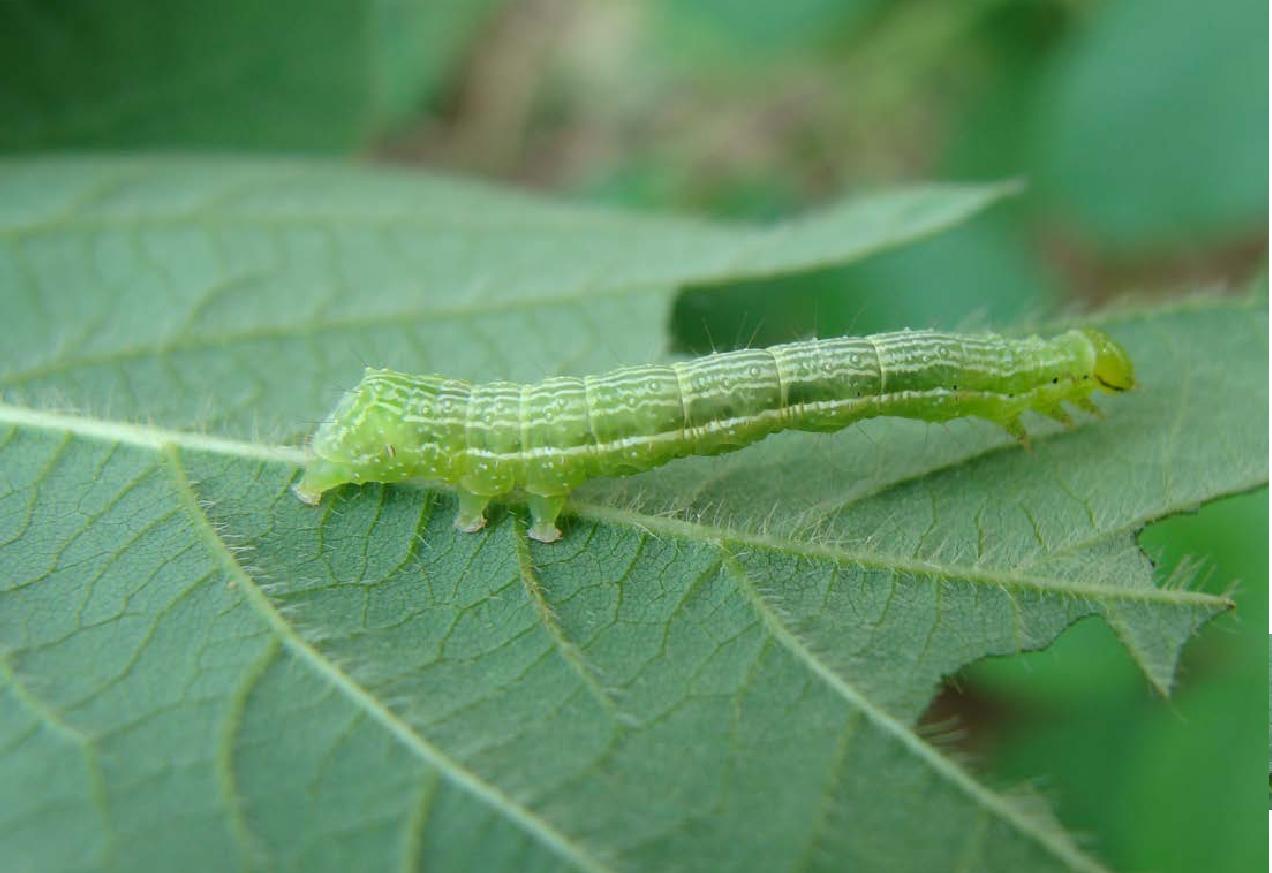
(322, 76)
(198, 671)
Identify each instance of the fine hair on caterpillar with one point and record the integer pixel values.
(541, 441)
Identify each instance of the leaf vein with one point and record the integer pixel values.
(362, 698)
(940, 766)
(566, 647)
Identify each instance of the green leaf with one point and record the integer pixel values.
(296, 75)
(1075, 718)
(720, 665)
(242, 296)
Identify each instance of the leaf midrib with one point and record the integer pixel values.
(838, 554)
(160, 439)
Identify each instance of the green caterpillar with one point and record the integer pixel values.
(542, 441)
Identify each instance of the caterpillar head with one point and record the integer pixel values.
(1112, 369)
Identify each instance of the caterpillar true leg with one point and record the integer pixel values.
(1086, 404)
(472, 512)
(1016, 428)
(543, 513)
(1056, 413)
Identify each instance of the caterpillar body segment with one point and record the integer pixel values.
(542, 441)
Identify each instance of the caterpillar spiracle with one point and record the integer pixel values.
(542, 441)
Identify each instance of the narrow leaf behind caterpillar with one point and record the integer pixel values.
(542, 441)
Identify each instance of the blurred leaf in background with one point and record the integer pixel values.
(689, 108)
(972, 277)
(1152, 124)
(293, 75)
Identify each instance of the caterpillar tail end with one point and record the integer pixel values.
(320, 477)
(306, 496)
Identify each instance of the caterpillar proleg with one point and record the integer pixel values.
(542, 441)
